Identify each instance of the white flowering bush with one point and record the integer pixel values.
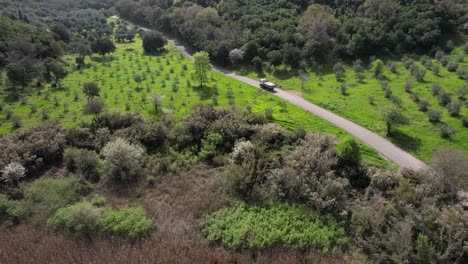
(242, 150)
(12, 173)
(122, 159)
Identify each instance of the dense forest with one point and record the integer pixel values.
(277, 32)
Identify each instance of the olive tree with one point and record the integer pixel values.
(393, 116)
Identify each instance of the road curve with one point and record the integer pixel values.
(373, 140)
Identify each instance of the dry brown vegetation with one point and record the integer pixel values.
(176, 203)
(26, 244)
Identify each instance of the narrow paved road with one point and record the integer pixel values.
(380, 144)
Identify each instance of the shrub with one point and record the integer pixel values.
(45, 195)
(452, 165)
(434, 115)
(409, 85)
(94, 106)
(446, 131)
(424, 250)
(417, 73)
(339, 71)
(81, 219)
(378, 67)
(34, 148)
(98, 201)
(10, 211)
(85, 162)
(415, 97)
(12, 173)
(464, 121)
(423, 105)
(210, 146)
(16, 121)
(383, 180)
(436, 89)
(309, 175)
(462, 73)
(349, 151)
(452, 66)
(153, 41)
(444, 98)
(129, 222)
(255, 227)
(435, 69)
(122, 159)
(454, 108)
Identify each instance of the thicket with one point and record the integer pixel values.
(251, 227)
(85, 219)
(274, 174)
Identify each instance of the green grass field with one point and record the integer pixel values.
(420, 137)
(162, 75)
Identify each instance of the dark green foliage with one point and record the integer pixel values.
(91, 90)
(393, 116)
(102, 46)
(423, 105)
(339, 70)
(464, 121)
(436, 89)
(282, 31)
(454, 108)
(10, 211)
(434, 115)
(349, 151)
(444, 98)
(94, 106)
(210, 146)
(153, 42)
(452, 66)
(446, 131)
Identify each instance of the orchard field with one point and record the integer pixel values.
(165, 80)
(362, 101)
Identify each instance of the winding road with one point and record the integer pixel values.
(373, 140)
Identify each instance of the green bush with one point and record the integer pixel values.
(349, 151)
(45, 195)
(85, 162)
(210, 146)
(10, 211)
(98, 201)
(81, 219)
(129, 222)
(276, 224)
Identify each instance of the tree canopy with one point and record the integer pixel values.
(201, 67)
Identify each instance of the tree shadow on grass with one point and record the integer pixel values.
(406, 141)
(204, 92)
(102, 59)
